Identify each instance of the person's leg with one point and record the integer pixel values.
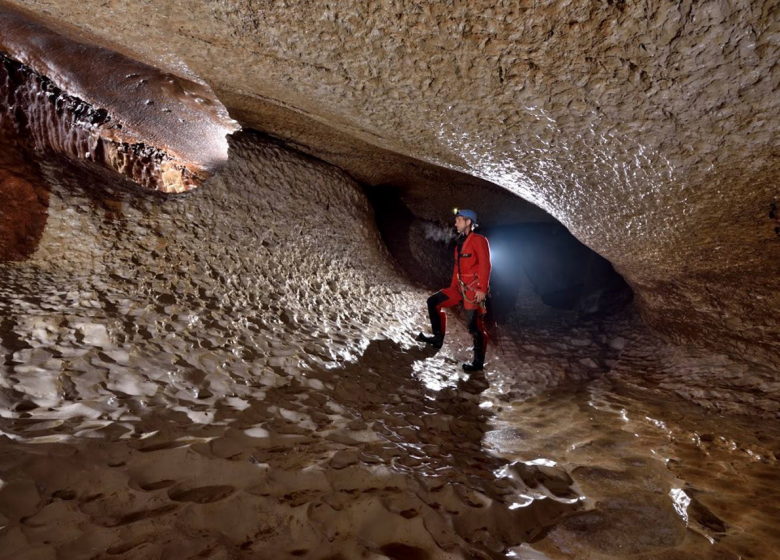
(476, 324)
(436, 313)
(436, 305)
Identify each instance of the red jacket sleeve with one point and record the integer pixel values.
(482, 248)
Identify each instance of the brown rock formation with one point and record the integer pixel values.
(158, 312)
(648, 129)
(49, 119)
(23, 217)
(230, 374)
(164, 132)
(24, 199)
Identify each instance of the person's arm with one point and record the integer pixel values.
(484, 267)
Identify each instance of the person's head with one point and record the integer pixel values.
(465, 220)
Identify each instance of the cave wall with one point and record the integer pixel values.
(238, 278)
(648, 129)
(24, 201)
(248, 340)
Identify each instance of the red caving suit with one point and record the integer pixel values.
(472, 267)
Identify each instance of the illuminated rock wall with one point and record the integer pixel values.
(291, 246)
(648, 129)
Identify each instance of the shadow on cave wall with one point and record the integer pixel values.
(540, 260)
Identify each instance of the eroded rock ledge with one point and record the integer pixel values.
(51, 119)
(164, 132)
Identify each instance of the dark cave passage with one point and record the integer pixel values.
(538, 266)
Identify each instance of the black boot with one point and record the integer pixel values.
(472, 367)
(478, 364)
(437, 340)
(477, 330)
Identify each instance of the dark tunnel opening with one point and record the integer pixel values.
(535, 264)
(565, 274)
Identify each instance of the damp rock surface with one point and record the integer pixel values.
(648, 129)
(236, 365)
(232, 372)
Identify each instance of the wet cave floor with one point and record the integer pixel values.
(167, 393)
(366, 460)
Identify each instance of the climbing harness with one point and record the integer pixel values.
(463, 287)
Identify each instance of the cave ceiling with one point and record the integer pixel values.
(648, 129)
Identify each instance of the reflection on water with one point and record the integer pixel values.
(663, 479)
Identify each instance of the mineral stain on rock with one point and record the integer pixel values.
(24, 215)
(24, 199)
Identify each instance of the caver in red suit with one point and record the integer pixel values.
(471, 274)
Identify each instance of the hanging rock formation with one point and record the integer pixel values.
(164, 132)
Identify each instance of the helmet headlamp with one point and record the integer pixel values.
(468, 214)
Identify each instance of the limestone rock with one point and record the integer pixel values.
(648, 129)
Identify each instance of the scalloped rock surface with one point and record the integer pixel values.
(230, 373)
(236, 365)
(648, 129)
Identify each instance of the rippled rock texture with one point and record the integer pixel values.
(648, 129)
(235, 366)
(230, 373)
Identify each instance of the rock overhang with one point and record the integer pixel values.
(165, 132)
(648, 130)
